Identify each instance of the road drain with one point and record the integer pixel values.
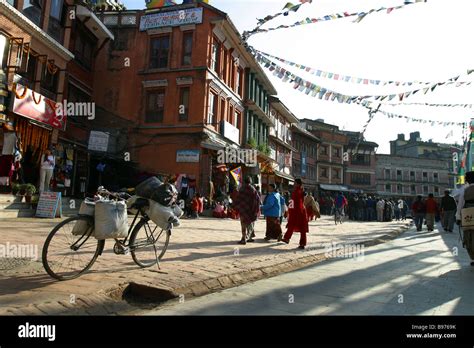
(142, 295)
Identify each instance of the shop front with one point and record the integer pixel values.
(30, 129)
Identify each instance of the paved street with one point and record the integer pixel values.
(203, 257)
(416, 274)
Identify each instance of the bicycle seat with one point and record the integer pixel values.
(140, 203)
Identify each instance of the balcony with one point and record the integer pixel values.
(252, 106)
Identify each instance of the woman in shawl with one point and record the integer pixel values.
(297, 219)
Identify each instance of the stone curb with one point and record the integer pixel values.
(111, 301)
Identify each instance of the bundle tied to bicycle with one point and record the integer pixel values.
(155, 200)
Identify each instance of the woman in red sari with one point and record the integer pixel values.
(297, 219)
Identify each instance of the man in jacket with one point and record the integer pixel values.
(448, 209)
(431, 210)
(466, 200)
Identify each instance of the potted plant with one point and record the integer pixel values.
(34, 200)
(30, 190)
(16, 192)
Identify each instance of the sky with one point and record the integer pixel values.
(421, 42)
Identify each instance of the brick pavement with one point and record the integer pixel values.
(202, 257)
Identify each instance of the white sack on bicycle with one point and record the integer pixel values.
(162, 215)
(87, 208)
(111, 220)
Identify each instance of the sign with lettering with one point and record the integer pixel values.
(187, 156)
(49, 205)
(98, 141)
(171, 19)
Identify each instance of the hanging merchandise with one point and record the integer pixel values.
(318, 91)
(353, 79)
(360, 17)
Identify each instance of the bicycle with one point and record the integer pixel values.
(75, 248)
(338, 215)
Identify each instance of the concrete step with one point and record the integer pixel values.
(8, 214)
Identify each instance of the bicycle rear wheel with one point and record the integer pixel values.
(65, 255)
(147, 242)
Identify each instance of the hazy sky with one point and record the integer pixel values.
(424, 42)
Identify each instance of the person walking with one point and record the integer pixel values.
(380, 209)
(431, 208)
(48, 162)
(397, 211)
(466, 200)
(248, 206)
(284, 207)
(310, 206)
(448, 211)
(271, 209)
(418, 209)
(297, 219)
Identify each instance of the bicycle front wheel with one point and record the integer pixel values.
(148, 242)
(70, 249)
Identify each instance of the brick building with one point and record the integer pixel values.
(360, 167)
(411, 176)
(330, 165)
(189, 86)
(414, 146)
(305, 158)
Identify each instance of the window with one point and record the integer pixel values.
(387, 174)
(336, 152)
(436, 190)
(360, 159)
(155, 106)
(412, 175)
(360, 179)
(212, 113)
(388, 188)
(239, 88)
(159, 52)
(336, 173)
(3, 51)
(425, 189)
(120, 41)
(223, 115)
(323, 151)
(435, 177)
(56, 23)
(184, 104)
(237, 119)
(49, 82)
(399, 188)
(425, 176)
(84, 48)
(33, 9)
(224, 68)
(399, 175)
(413, 189)
(324, 172)
(28, 70)
(187, 48)
(216, 51)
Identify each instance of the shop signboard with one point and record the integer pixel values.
(98, 141)
(49, 205)
(187, 156)
(230, 132)
(303, 163)
(171, 19)
(37, 107)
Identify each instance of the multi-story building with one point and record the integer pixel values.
(415, 147)
(33, 41)
(305, 157)
(411, 176)
(359, 163)
(330, 165)
(182, 75)
(281, 149)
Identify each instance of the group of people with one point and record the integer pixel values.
(428, 210)
(248, 204)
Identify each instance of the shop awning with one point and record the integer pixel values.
(284, 176)
(93, 23)
(214, 142)
(334, 188)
